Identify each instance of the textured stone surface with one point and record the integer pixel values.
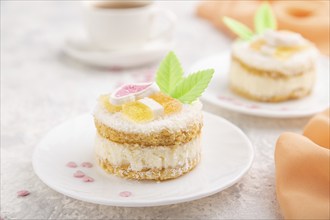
(41, 88)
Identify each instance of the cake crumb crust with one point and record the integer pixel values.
(293, 95)
(163, 138)
(148, 174)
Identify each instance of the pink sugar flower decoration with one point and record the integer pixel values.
(87, 164)
(125, 194)
(88, 179)
(79, 174)
(71, 164)
(23, 193)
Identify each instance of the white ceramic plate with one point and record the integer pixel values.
(218, 92)
(227, 155)
(83, 51)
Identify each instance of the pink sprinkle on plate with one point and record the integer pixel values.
(125, 194)
(79, 174)
(71, 164)
(87, 164)
(23, 193)
(88, 179)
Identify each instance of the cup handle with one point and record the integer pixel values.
(165, 34)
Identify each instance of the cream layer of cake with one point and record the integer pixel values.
(265, 88)
(141, 158)
(273, 67)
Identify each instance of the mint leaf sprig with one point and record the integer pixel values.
(169, 73)
(264, 19)
(192, 87)
(170, 80)
(241, 30)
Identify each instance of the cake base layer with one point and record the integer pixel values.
(149, 174)
(265, 88)
(147, 162)
(294, 95)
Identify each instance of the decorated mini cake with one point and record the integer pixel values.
(271, 66)
(152, 131)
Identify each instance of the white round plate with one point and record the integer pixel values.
(219, 93)
(83, 51)
(227, 155)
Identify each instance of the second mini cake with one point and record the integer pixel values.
(275, 66)
(270, 65)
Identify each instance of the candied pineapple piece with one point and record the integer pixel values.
(256, 45)
(104, 99)
(138, 112)
(170, 104)
(172, 107)
(286, 52)
(161, 98)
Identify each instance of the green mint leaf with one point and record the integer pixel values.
(192, 87)
(264, 19)
(241, 30)
(169, 73)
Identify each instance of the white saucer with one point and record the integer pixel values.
(83, 51)
(219, 93)
(227, 155)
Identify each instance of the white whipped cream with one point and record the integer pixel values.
(283, 38)
(265, 60)
(190, 114)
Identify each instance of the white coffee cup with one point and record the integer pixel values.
(114, 27)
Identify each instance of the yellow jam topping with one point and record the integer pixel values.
(256, 45)
(140, 112)
(286, 52)
(279, 52)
